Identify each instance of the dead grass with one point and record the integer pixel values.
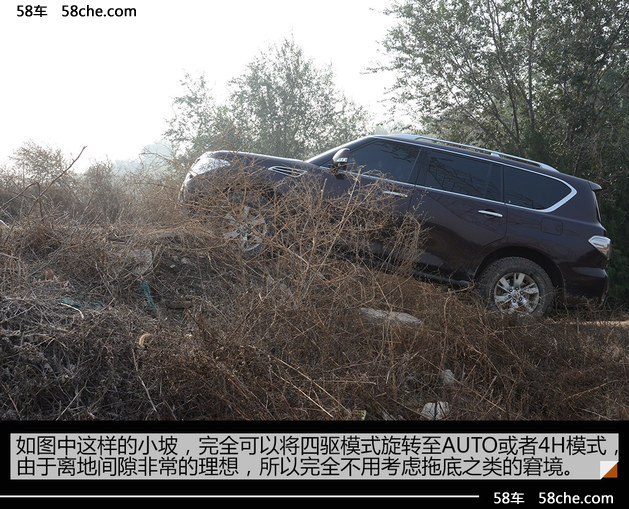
(155, 315)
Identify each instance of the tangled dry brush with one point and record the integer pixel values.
(152, 313)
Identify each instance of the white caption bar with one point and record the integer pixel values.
(342, 456)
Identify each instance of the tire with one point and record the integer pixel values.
(517, 286)
(247, 224)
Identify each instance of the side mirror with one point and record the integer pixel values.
(340, 160)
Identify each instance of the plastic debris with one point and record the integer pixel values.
(82, 305)
(447, 377)
(142, 260)
(435, 411)
(403, 318)
(359, 415)
(146, 290)
(142, 340)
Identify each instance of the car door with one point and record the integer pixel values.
(380, 177)
(459, 200)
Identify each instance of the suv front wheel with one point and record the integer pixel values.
(517, 286)
(246, 222)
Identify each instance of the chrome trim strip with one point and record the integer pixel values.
(287, 171)
(572, 193)
(554, 207)
(490, 213)
(402, 195)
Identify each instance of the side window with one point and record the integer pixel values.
(533, 190)
(464, 175)
(391, 160)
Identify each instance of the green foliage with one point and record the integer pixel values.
(545, 79)
(192, 128)
(282, 104)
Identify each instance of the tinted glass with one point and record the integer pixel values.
(387, 159)
(533, 190)
(464, 175)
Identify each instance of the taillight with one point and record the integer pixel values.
(603, 244)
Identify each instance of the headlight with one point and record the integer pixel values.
(207, 163)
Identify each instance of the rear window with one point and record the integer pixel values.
(532, 190)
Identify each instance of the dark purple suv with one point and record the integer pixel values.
(525, 234)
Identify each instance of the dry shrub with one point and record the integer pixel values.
(160, 315)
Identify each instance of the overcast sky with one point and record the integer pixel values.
(108, 83)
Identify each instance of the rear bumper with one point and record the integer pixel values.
(586, 284)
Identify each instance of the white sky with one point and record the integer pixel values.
(108, 84)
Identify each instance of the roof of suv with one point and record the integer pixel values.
(469, 148)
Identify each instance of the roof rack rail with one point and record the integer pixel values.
(487, 151)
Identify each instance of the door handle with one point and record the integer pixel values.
(393, 193)
(490, 213)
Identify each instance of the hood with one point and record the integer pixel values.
(261, 160)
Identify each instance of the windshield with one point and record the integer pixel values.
(325, 158)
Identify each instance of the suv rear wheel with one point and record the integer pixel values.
(517, 286)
